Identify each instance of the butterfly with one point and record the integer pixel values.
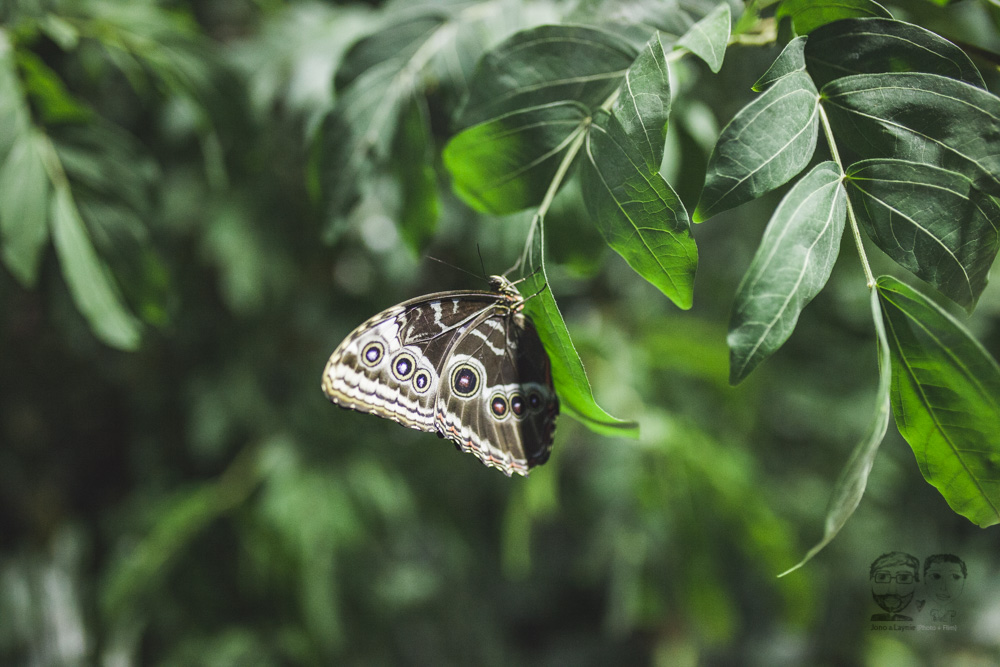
(467, 365)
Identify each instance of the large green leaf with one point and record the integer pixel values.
(881, 45)
(853, 479)
(546, 65)
(92, 288)
(24, 207)
(791, 266)
(923, 118)
(419, 207)
(709, 37)
(506, 164)
(767, 143)
(808, 15)
(637, 212)
(931, 221)
(570, 378)
(643, 105)
(946, 400)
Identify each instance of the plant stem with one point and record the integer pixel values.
(855, 230)
(580, 133)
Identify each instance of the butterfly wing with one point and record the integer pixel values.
(496, 398)
(389, 365)
(466, 365)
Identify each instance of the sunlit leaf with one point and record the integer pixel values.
(931, 221)
(877, 45)
(853, 479)
(89, 282)
(24, 207)
(923, 118)
(946, 400)
(575, 395)
(643, 105)
(708, 38)
(791, 266)
(637, 212)
(808, 15)
(767, 143)
(547, 65)
(506, 164)
(791, 59)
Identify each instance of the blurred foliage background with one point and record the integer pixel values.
(196, 500)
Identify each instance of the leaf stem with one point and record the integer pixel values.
(550, 194)
(851, 217)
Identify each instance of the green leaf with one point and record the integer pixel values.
(637, 212)
(791, 59)
(709, 37)
(414, 171)
(853, 479)
(546, 65)
(54, 103)
(93, 290)
(791, 266)
(922, 118)
(808, 15)
(643, 106)
(24, 204)
(397, 41)
(766, 144)
(875, 46)
(931, 221)
(946, 400)
(575, 394)
(15, 118)
(506, 164)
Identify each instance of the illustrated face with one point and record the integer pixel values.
(892, 587)
(945, 581)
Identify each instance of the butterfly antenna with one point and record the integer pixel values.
(452, 266)
(482, 264)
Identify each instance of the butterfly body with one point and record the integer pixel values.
(467, 365)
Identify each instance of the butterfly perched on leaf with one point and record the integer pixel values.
(467, 365)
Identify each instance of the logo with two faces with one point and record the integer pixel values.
(895, 579)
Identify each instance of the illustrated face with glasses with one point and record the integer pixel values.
(894, 577)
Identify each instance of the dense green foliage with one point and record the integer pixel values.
(198, 200)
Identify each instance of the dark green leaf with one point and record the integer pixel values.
(791, 59)
(876, 46)
(709, 37)
(808, 15)
(546, 65)
(946, 400)
(853, 479)
(506, 164)
(24, 207)
(791, 266)
(93, 290)
(767, 143)
(643, 106)
(931, 221)
(570, 379)
(637, 212)
(396, 42)
(923, 118)
(414, 170)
